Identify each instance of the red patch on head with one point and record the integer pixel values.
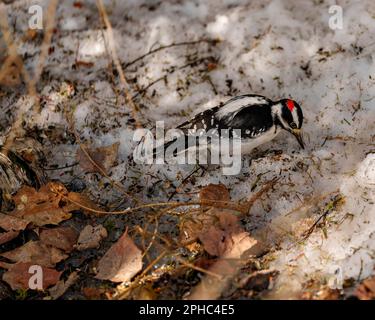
(290, 105)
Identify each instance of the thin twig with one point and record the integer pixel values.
(337, 200)
(216, 204)
(183, 182)
(14, 58)
(50, 23)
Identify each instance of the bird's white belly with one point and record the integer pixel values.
(249, 144)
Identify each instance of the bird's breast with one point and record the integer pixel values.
(248, 144)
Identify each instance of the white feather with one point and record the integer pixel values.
(249, 144)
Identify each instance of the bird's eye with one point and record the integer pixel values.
(293, 125)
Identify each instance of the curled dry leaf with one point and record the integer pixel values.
(121, 262)
(90, 237)
(104, 158)
(40, 207)
(18, 276)
(63, 238)
(62, 286)
(35, 252)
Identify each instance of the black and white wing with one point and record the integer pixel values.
(249, 113)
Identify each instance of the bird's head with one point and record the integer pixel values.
(290, 117)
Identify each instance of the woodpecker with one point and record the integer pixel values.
(258, 118)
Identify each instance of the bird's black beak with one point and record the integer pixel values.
(298, 134)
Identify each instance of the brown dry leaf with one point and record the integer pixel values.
(214, 192)
(18, 276)
(214, 240)
(9, 223)
(60, 288)
(198, 224)
(226, 268)
(40, 207)
(43, 214)
(104, 158)
(231, 245)
(214, 226)
(27, 196)
(21, 198)
(36, 252)
(217, 236)
(221, 236)
(7, 236)
(90, 237)
(121, 262)
(61, 237)
(93, 293)
(366, 290)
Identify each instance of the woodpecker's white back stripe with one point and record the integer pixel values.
(235, 105)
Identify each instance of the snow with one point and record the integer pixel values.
(276, 48)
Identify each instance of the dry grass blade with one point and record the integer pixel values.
(248, 204)
(116, 61)
(331, 206)
(50, 23)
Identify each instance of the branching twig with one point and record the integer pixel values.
(191, 63)
(175, 44)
